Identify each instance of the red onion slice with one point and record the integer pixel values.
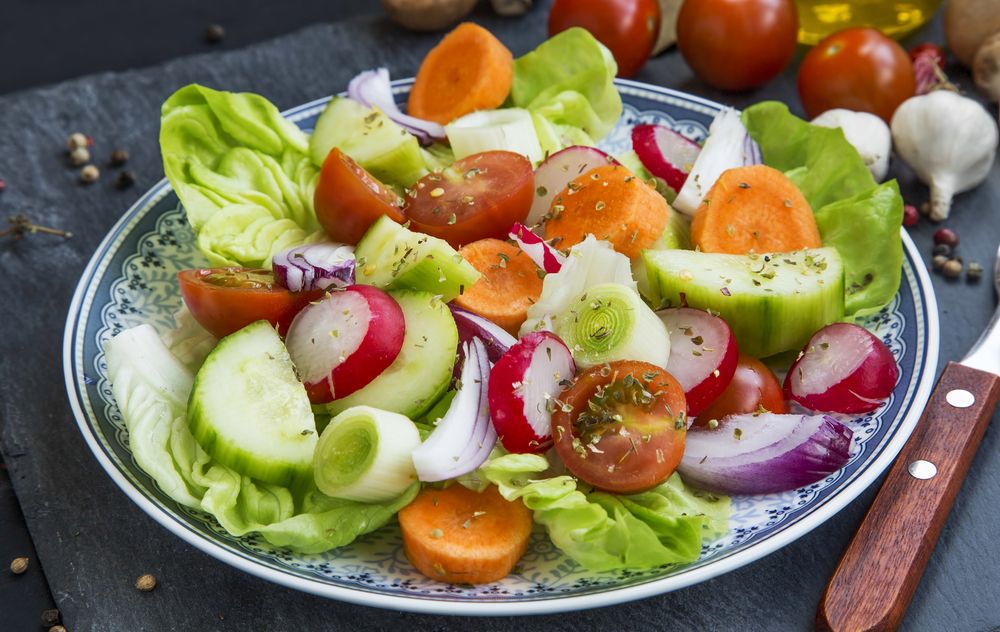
(314, 267)
(464, 437)
(372, 88)
(765, 453)
(471, 326)
(545, 256)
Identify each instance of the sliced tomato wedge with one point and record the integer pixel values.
(224, 300)
(621, 426)
(348, 199)
(479, 196)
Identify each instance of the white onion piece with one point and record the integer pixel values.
(372, 87)
(765, 453)
(507, 129)
(314, 267)
(541, 253)
(464, 438)
(470, 326)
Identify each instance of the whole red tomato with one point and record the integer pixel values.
(627, 27)
(737, 44)
(857, 69)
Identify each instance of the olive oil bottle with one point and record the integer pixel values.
(895, 18)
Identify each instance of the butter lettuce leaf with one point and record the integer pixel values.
(857, 217)
(242, 172)
(151, 387)
(601, 531)
(569, 82)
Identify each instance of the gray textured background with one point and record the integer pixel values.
(93, 542)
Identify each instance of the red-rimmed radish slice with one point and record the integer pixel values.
(495, 338)
(842, 369)
(703, 354)
(524, 387)
(344, 341)
(665, 153)
(558, 170)
(765, 453)
(541, 253)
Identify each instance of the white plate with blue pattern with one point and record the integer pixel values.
(131, 280)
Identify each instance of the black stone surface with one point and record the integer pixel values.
(93, 542)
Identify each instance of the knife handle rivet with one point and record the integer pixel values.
(922, 469)
(960, 398)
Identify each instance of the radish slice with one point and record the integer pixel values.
(842, 369)
(470, 325)
(524, 387)
(344, 341)
(665, 153)
(464, 438)
(703, 354)
(765, 453)
(545, 256)
(314, 267)
(552, 176)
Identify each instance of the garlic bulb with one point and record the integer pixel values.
(949, 140)
(868, 133)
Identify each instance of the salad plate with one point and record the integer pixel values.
(131, 280)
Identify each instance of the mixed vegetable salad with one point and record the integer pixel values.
(470, 318)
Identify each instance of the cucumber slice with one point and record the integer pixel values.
(371, 138)
(676, 235)
(249, 410)
(390, 256)
(421, 372)
(773, 303)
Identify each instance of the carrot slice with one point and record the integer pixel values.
(508, 287)
(754, 209)
(468, 70)
(460, 536)
(610, 203)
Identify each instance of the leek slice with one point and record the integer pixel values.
(610, 322)
(364, 454)
(510, 129)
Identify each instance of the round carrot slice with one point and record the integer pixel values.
(508, 286)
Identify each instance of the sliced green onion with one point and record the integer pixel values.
(509, 129)
(610, 322)
(364, 455)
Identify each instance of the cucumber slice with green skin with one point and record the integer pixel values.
(250, 412)
(772, 302)
(371, 138)
(421, 372)
(676, 235)
(390, 256)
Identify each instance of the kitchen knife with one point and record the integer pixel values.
(876, 577)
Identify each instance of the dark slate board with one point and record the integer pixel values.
(93, 542)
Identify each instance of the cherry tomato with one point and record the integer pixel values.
(479, 196)
(629, 28)
(752, 388)
(857, 69)
(737, 44)
(621, 426)
(348, 199)
(928, 49)
(224, 300)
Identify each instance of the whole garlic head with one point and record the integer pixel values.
(868, 133)
(949, 140)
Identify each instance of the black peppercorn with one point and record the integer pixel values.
(943, 250)
(125, 179)
(119, 157)
(51, 617)
(215, 33)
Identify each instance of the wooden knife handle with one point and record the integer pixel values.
(876, 577)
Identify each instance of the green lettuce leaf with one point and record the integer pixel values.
(242, 172)
(602, 531)
(854, 215)
(151, 387)
(569, 82)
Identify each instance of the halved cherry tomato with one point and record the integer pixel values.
(348, 199)
(479, 196)
(628, 28)
(224, 300)
(621, 426)
(857, 69)
(752, 389)
(737, 44)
